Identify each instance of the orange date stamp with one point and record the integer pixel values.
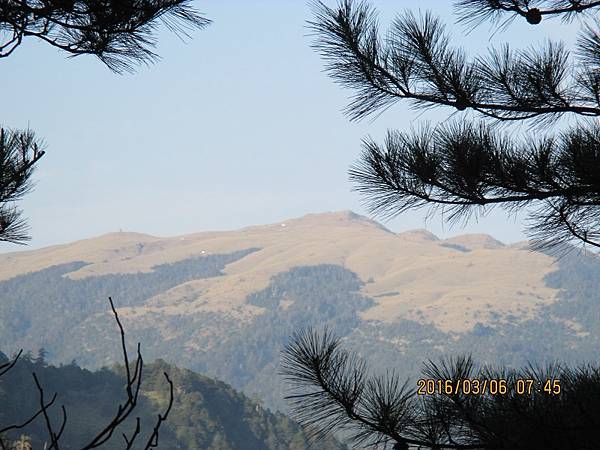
(476, 386)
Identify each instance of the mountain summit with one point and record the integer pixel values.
(412, 274)
(225, 302)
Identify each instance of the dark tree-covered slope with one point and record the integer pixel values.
(38, 308)
(206, 414)
(69, 318)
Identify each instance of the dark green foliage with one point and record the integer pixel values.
(579, 300)
(246, 354)
(66, 318)
(466, 168)
(207, 414)
(460, 248)
(325, 291)
(51, 303)
(324, 294)
(121, 33)
(550, 407)
(19, 151)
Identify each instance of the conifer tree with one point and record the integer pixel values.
(470, 166)
(121, 33)
(464, 168)
(463, 406)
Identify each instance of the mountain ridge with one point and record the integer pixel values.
(344, 238)
(225, 303)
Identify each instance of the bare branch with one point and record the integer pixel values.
(153, 439)
(54, 437)
(129, 441)
(9, 365)
(132, 388)
(43, 408)
(133, 380)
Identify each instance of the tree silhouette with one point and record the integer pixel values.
(462, 168)
(19, 151)
(551, 407)
(467, 168)
(121, 33)
(133, 378)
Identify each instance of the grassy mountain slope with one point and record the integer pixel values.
(412, 275)
(224, 303)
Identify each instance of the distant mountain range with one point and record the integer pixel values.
(225, 303)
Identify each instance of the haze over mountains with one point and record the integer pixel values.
(224, 303)
(207, 414)
(413, 275)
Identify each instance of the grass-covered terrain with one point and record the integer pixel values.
(70, 318)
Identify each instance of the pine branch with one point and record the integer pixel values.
(475, 12)
(461, 167)
(19, 152)
(120, 33)
(132, 389)
(415, 61)
(331, 390)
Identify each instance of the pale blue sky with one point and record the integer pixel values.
(239, 126)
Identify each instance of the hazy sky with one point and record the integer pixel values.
(239, 126)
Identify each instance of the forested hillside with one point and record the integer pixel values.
(38, 307)
(206, 414)
(211, 313)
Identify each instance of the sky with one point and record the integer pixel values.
(237, 126)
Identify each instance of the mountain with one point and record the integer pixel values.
(225, 303)
(206, 414)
